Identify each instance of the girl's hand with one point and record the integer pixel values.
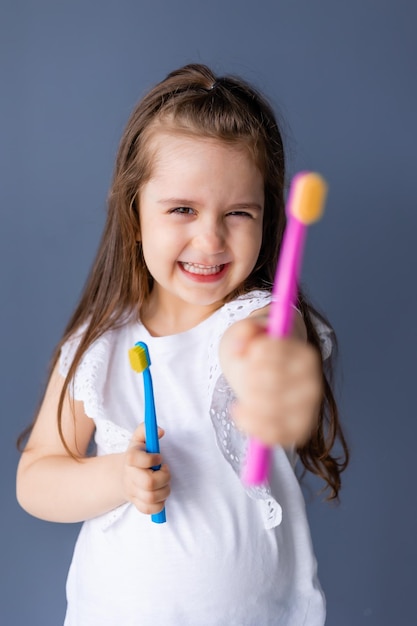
(277, 383)
(145, 488)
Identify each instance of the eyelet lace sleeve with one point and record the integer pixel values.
(231, 441)
(89, 380)
(88, 387)
(325, 334)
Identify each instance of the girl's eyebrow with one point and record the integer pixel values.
(177, 201)
(188, 202)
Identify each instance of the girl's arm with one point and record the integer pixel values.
(53, 485)
(277, 381)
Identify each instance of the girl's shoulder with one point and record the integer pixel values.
(251, 301)
(97, 350)
(97, 354)
(244, 305)
(89, 381)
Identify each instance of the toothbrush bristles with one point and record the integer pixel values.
(307, 197)
(138, 359)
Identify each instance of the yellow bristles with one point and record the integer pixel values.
(307, 197)
(138, 359)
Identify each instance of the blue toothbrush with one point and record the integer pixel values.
(140, 362)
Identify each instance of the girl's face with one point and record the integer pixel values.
(201, 223)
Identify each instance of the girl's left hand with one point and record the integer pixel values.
(278, 383)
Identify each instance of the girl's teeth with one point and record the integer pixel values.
(195, 268)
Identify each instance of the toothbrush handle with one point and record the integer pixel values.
(256, 468)
(151, 433)
(280, 321)
(284, 293)
(159, 518)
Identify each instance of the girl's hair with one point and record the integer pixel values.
(192, 100)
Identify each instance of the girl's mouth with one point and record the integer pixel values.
(201, 270)
(199, 273)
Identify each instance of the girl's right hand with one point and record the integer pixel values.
(145, 488)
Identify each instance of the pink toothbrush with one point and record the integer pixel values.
(304, 206)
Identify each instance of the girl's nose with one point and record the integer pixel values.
(210, 238)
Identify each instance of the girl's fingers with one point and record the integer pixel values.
(148, 508)
(293, 426)
(152, 491)
(136, 455)
(147, 487)
(138, 437)
(152, 488)
(139, 458)
(150, 480)
(147, 479)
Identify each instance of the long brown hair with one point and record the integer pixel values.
(193, 100)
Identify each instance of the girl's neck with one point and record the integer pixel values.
(161, 321)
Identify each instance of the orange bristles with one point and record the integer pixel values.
(308, 196)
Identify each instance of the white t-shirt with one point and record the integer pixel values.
(224, 557)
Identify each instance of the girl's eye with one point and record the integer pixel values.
(182, 210)
(243, 214)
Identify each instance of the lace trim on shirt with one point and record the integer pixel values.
(325, 334)
(231, 441)
(88, 386)
(229, 314)
(90, 377)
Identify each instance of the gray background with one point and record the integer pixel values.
(343, 75)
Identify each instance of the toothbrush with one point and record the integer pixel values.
(140, 362)
(305, 205)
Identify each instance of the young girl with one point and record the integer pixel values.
(186, 264)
